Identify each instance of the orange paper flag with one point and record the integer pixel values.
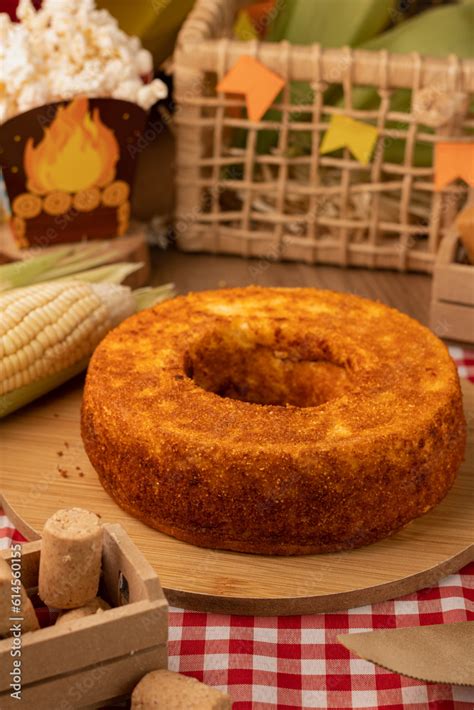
(453, 160)
(259, 85)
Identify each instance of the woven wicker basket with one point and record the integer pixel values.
(312, 208)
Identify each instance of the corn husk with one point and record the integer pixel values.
(69, 262)
(438, 32)
(336, 23)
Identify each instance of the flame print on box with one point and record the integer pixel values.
(69, 169)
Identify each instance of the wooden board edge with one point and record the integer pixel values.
(291, 606)
(326, 603)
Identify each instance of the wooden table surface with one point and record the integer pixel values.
(409, 293)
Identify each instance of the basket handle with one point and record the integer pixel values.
(208, 19)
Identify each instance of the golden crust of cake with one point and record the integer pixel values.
(272, 420)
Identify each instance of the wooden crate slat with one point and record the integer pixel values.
(452, 293)
(452, 321)
(90, 687)
(63, 649)
(454, 284)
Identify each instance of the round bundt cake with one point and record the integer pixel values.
(273, 420)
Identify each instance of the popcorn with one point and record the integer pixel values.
(144, 62)
(69, 48)
(147, 94)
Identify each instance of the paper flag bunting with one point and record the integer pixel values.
(453, 160)
(244, 28)
(344, 132)
(259, 85)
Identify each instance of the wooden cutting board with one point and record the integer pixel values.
(44, 467)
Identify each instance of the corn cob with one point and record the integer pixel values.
(48, 332)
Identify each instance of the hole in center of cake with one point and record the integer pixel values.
(267, 370)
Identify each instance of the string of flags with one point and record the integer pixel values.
(260, 86)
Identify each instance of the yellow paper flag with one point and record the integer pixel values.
(344, 132)
(259, 85)
(453, 160)
(244, 28)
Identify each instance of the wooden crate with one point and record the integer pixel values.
(275, 205)
(103, 656)
(452, 295)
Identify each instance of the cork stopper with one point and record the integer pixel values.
(26, 612)
(165, 690)
(70, 560)
(74, 523)
(95, 606)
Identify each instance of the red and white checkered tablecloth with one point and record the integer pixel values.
(278, 663)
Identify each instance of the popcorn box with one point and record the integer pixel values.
(94, 660)
(69, 169)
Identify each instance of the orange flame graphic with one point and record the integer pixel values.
(77, 152)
